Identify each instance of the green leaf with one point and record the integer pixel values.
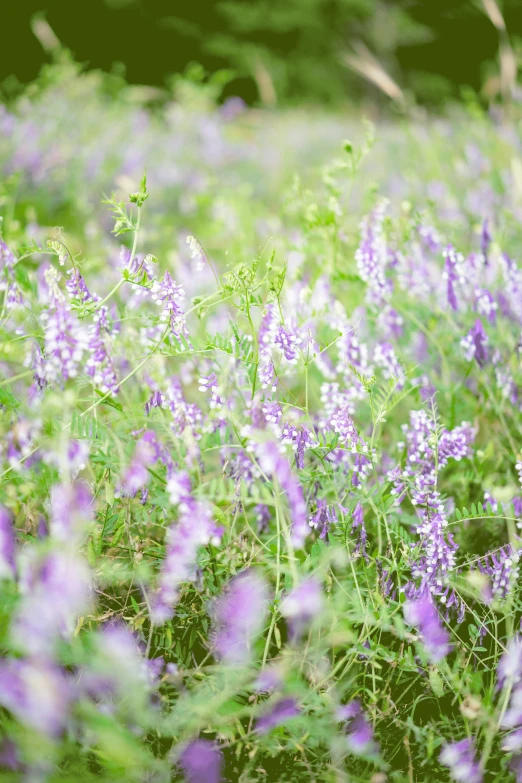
(109, 401)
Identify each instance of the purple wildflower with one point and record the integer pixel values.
(485, 304)
(323, 518)
(390, 322)
(302, 605)
(385, 357)
(71, 511)
(197, 253)
(280, 712)
(371, 256)
(239, 615)
(474, 344)
(358, 530)
(510, 665)
(274, 464)
(263, 517)
(269, 679)
(99, 365)
(437, 551)
(7, 545)
(170, 297)
(37, 694)
(485, 239)
(65, 343)
(502, 566)
(272, 412)
(300, 439)
(343, 425)
(209, 383)
(452, 266)
(179, 487)
(288, 340)
(266, 373)
(55, 589)
(201, 762)
(77, 288)
(359, 731)
(423, 615)
(194, 529)
(136, 476)
(460, 758)
(156, 400)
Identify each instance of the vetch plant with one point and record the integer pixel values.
(260, 507)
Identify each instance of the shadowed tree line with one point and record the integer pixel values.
(319, 51)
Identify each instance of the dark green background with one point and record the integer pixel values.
(431, 47)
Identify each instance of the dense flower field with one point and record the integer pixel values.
(261, 428)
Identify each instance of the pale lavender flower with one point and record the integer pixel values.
(201, 762)
(512, 718)
(233, 107)
(37, 694)
(209, 383)
(156, 400)
(502, 567)
(194, 529)
(197, 253)
(288, 339)
(372, 256)
(55, 590)
(343, 425)
(272, 412)
(36, 361)
(77, 288)
(12, 296)
(266, 373)
(485, 239)
(65, 342)
(7, 545)
(263, 517)
(179, 487)
(485, 304)
(99, 365)
(279, 713)
(323, 518)
(429, 237)
(302, 605)
(239, 615)
(359, 730)
(276, 465)
(423, 615)
(460, 758)
(117, 666)
(390, 322)
(358, 530)
(437, 553)
(362, 467)
(77, 456)
(136, 476)
(452, 266)
(71, 511)
(510, 665)
(385, 357)
(300, 439)
(269, 679)
(184, 414)
(242, 467)
(20, 442)
(474, 344)
(170, 297)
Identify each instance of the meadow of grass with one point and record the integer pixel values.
(260, 411)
